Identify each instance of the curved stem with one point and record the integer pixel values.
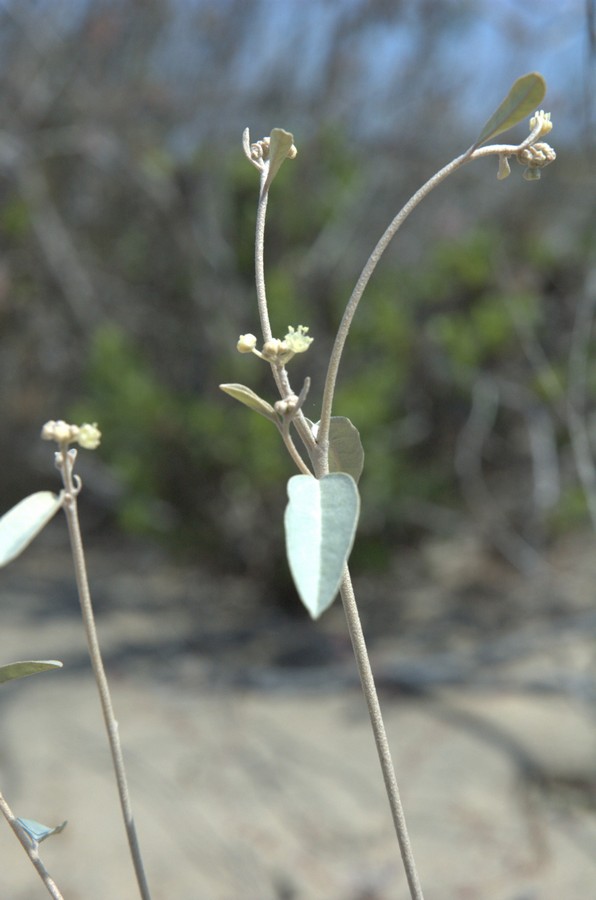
(71, 490)
(371, 264)
(378, 727)
(31, 850)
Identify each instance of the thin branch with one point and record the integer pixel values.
(72, 487)
(374, 258)
(280, 375)
(30, 848)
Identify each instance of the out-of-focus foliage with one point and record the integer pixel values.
(126, 266)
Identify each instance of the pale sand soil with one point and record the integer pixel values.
(255, 779)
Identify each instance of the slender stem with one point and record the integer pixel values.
(260, 262)
(371, 264)
(72, 487)
(292, 450)
(30, 848)
(279, 374)
(380, 735)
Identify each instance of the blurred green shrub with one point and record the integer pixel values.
(196, 468)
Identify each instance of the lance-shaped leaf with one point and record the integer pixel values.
(244, 395)
(320, 523)
(24, 521)
(523, 99)
(28, 667)
(36, 832)
(280, 142)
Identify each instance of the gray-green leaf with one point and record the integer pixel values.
(244, 395)
(28, 667)
(524, 98)
(21, 524)
(320, 523)
(346, 453)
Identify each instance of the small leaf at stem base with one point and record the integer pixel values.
(37, 832)
(244, 395)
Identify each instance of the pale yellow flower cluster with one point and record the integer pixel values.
(86, 435)
(274, 350)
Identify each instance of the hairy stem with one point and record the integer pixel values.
(260, 263)
(378, 727)
(65, 464)
(31, 850)
(279, 374)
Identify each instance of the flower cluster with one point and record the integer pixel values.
(533, 153)
(260, 150)
(535, 157)
(275, 351)
(86, 435)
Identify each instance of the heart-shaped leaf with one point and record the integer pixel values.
(21, 524)
(346, 453)
(525, 97)
(28, 667)
(280, 142)
(320, 523)
(244, 395)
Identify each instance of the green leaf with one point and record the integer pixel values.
(21, 524)
(37, 832)
(28, 667)
(524, 98)
(320, 523)
(244, 395)
(280, 142)
(346, 453)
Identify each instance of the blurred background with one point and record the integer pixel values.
(127, 214)
(126, 268)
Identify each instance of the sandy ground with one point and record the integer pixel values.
(252, 767)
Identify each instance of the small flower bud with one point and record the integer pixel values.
(287, 406)
(246, 343)
(542, 119)
(89, 436)
(47, 432)
(272, 350)
(62, 433)
(260, 149)
(535, 158)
